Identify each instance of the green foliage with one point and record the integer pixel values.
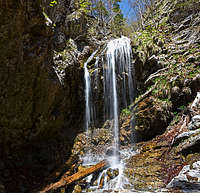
(52, 3)
(175, 113)
(100, 11)
(84, 6)
(47, 17)
(126, 112)
(108, 14)
(119, 20)
(43, 12)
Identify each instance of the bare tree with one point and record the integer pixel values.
(139, 7)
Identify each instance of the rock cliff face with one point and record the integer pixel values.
(43, 49)
(37, 110)
(166, 112)
(33, 101)
(166, 53)
(26, 75)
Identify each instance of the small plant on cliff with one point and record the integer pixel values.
(52, 3)
(126, 112)
(47, 17)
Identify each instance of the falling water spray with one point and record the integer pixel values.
(119, 64)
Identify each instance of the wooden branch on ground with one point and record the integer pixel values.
(156, 74)
(76, 177)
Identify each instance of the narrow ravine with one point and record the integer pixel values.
(83, 110)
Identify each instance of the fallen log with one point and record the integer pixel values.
(66, 180)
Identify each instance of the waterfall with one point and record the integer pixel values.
(88, 106)
(117, 69)
(118, 91)
(111, 90)
(118, 66)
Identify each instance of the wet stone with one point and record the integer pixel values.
(188, 178)
(112, 173)
(77, 189)
(108, 178)
(116, 172)
(195, 123)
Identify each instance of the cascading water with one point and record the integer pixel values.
(119, 65)
(89, 114)
(118, 91)
(88, 107)
(111, 91)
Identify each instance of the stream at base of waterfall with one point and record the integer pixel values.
(117, 65)
(112, 179)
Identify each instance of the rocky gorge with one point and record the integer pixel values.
(42, 134)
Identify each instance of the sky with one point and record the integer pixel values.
(125, 7)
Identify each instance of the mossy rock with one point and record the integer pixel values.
(152, 117)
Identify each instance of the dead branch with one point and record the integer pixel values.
(156, 74)
(76, 177)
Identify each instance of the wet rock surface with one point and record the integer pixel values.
(157, 162)
(188, 179)
(151, 117)
(171, 154)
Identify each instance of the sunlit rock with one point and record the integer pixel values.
(195, 123)
(188, 179)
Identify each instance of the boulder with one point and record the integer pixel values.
(151, 118)
(188, 142)
(195, 123)
(188, 178)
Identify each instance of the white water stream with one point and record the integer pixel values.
(88, 93)
(118, 67)
(111, 91)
